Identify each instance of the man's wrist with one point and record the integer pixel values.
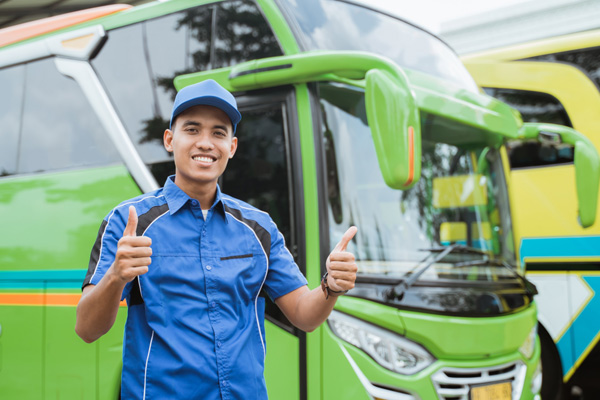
(114, 279)
(327, 291)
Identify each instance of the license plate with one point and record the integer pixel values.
(498, 391)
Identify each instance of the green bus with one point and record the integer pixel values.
(350, 117)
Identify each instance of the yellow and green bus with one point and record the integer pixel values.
(350, 117)
(555, 80)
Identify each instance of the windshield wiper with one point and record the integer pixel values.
(397, 292)
(458, 248)
(530, 288)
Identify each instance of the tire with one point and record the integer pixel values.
(553, 387)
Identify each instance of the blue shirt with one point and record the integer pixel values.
(195, 323)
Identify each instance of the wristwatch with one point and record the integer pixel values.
(327, 291)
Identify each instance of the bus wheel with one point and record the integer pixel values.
(552, 376)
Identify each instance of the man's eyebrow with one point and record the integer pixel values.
(189, 122)
(224, 127)
(196, 123)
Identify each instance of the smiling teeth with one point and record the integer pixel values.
(203, 159)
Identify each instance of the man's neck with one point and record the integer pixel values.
(204, 193)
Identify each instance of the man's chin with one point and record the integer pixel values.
(197, 179)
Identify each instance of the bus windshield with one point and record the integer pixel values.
(461, 197)
(337, 25)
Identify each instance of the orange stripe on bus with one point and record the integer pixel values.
(41, 299)
(28, 30)
(411, 155)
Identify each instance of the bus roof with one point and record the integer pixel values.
(550, 45)
(31, 29)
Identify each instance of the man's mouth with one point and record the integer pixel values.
(206, 159)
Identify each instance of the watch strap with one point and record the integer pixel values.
(327, 291)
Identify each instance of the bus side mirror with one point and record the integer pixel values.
(587, 163)
(395, 125)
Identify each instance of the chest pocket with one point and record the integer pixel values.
(245, 272)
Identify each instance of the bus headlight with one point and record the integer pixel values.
(388, 349)
(536, 380)
(529, 344)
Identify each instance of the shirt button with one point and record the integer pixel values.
(194, 203)
(213, 304)
(208, 267)
(218, 344)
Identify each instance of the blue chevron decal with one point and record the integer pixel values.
(582, 246)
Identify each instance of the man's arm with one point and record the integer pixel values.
(99, 304)
(307, 309)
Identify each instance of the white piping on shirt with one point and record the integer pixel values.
(246, 208)
(146, 367)
(105, 229)
(262, 341)
(143, 233)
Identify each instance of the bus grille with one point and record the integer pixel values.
(455, 383)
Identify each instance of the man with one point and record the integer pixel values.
(191, 263)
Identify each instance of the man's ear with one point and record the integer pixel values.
(168, 140)
(234, 143)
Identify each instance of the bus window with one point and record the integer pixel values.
(11, 102)
(586, 59)
(54, 137)
(535, 107)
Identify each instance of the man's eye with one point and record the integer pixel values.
(220, 133)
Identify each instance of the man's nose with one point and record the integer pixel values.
(204, 141)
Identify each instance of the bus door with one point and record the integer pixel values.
(265, 174)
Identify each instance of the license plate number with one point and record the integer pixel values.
(498, 391)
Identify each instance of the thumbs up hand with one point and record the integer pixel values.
(341, 265)
(133, 252)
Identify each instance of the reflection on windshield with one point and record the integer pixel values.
(459, 199)
(150, 54)
(336, 25)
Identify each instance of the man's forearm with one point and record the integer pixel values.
(306, 309)
(315, 309)
(97, 310)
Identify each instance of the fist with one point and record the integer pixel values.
(133, 252)
(341, 265)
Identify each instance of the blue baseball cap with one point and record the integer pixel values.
(208, 93)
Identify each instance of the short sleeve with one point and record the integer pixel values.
(105, 248)
(284, 275)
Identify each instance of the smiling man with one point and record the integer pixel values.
(191, 263)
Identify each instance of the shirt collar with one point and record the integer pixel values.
(176, 198)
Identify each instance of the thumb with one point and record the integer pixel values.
(132, 221)
(341, 246)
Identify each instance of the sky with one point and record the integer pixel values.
(431, 13)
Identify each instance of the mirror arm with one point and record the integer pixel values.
(340, 66)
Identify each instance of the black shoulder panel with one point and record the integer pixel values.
(261, 233)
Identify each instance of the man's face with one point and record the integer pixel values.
(202, 143)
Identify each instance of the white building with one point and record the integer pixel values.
(530, 20)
